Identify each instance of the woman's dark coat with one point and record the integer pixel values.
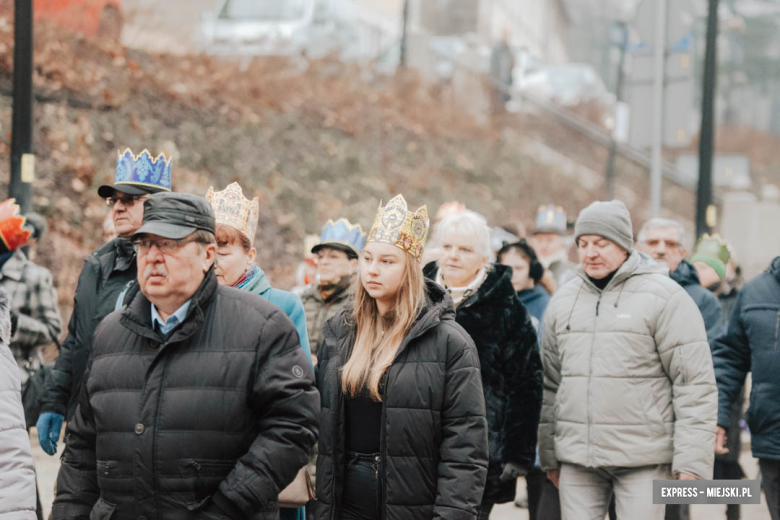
(511, 374)
(209, 422)
(434, 433)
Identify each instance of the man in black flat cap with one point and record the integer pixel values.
(198, 402)
(105, 274)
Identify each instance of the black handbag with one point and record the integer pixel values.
(32, 391)
(33, 388)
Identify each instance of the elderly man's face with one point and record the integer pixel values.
(547, 245)
(663, 244)
(170, 271)
(128, 212)
(599, 257)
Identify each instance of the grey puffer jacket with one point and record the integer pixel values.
(628, 376)
(17, 477)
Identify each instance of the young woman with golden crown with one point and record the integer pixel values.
(403, 431)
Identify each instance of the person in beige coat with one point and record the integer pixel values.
(17, 476)
(629, 386)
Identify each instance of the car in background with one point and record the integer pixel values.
(90, 17)
(279, 28)
(567, 85)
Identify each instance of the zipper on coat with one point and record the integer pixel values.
(383, 444)
(777, 330)
(590, 389)
(156, 419)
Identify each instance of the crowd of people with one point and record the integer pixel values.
(408, 378)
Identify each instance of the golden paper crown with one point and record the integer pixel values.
(233, 209)
(396, 225)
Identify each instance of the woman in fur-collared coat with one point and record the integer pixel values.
(488, 308)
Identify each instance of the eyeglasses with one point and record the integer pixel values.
(165, 246)
(128, 201)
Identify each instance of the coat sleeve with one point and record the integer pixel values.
(713, 317)
(523, 374)
(286, 406)
(463, 452)
(17, 477)
(731, 357)
(551, 365)
(59, 384)
(77, 487)
(44, 321)
(681, 342)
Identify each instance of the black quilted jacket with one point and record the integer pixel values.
(208, 423)
(511, 373)
(434, 434)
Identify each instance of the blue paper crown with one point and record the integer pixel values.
(343, 233)
(143, 170)
(550, 219)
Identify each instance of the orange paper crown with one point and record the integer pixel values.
(12, 234)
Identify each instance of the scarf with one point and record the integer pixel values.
(461, 294)
(247, 277)
(332, 291)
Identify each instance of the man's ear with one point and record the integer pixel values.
(210, 256)
(354, 263)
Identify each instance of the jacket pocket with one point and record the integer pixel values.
(205, 468)
(102, 510)
(106, 468)
(653, 418)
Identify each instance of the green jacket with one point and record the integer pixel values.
(318, 311)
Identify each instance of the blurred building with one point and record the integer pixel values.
(538, 27)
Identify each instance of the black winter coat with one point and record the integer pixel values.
(705, 300)
(105, 274)
(217, 417)
(752, 344)
(434, 433)
(507, 344)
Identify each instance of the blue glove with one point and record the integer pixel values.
(49, 427)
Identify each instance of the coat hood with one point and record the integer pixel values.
(685, 274)
(774, 268)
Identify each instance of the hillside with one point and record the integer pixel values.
(312, 140)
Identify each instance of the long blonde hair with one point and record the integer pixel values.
(374, 352)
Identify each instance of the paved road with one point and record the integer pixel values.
(48, 466)
(698, 512)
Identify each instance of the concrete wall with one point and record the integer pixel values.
(749, 223)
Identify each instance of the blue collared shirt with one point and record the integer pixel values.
(166, 326)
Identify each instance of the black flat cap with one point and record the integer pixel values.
(176, 215)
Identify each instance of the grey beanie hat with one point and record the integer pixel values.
(610, 220)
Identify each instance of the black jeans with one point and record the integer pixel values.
(770, 480)
(362, 497)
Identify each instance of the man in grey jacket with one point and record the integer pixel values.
(629, 388)
(17, 477)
